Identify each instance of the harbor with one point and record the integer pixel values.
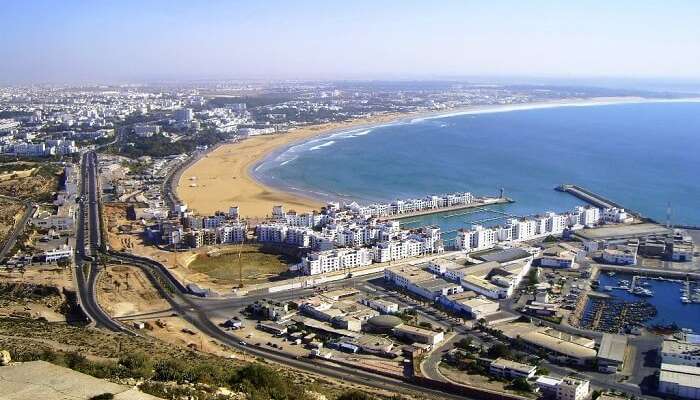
(477, 204)
(624, 300)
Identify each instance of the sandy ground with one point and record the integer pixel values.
(125, 235)
(49, 275)
(125, 293)
(222, 179)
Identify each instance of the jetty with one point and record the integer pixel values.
(601, 201)
(595, 199)
(478, 203)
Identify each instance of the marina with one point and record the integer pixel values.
(478, 203)
(650, 300)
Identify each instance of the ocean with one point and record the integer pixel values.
(644, 156)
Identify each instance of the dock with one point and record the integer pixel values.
(600, 201)
(482, 202)
(595, 199)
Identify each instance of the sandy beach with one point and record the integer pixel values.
(222, 178)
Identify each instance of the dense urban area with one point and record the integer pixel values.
(112, 283)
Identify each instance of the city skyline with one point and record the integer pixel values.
(83, 42)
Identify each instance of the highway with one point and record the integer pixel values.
(200, 311)
(88, 245)
(194, 310)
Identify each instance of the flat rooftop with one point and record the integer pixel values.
(623, 231)
(612, 347)
(505, 256)
(682, 375)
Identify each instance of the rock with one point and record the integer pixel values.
(5, 357)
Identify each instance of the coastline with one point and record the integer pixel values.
(223, 178)
(255, 193)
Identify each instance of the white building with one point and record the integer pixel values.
(335, 260)
(508, 369)
(557, 257)
(232, 233)
(61, 253)
(184, 115)
(680, 381)
(146, 130)
(383, 306)
(680, 352)
(476, 239)
(615, 216)
(573, 389)
(620, 255)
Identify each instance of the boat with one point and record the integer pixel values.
(685, 300)
(608, 288)
(640, 291)
(611, 273)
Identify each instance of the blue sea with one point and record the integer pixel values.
(666, 299)
(644, 156)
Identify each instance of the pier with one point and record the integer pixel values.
(482, 202)
(600, 201)
(595, 199)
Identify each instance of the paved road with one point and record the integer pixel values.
(431, 363)
(194, 310)
(87, 244)
(188, 308)
(199, 311)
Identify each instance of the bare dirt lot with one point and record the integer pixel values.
(213, 267)
(10, 211)
(38, 186)
(124, 291)
(37, 294)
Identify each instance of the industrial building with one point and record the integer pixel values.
(611, 353)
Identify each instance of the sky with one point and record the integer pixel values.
(70, 41)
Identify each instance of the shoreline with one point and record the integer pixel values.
(255, 192)
(234, 161)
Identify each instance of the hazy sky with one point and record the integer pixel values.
(100, 40)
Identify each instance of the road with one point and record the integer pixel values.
(194, 310)
(200, 311)
(87, 246)
(17, 229)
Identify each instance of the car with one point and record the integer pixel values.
(242, 343)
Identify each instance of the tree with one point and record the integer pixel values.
(464, 343)
(498, 350)
(521, 385)
(532, 276)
